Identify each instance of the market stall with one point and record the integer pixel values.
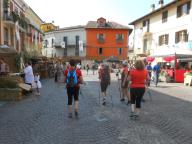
(175, 62)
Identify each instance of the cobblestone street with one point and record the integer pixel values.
(166, 119)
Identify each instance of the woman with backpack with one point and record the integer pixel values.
(73, 79)
(104, 76)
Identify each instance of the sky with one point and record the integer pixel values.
(66, 13)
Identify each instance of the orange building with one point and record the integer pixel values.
(106, 39)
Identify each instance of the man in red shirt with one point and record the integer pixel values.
(73, 79)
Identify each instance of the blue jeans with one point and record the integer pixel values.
(156, 78)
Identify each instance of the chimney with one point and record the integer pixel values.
(161, 3)
(152, 7)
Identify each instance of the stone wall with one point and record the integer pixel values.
(10, 60)
(7, 94)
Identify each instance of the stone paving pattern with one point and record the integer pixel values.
(166, 119)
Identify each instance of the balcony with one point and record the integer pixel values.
(59, 44)
(146, 32)
(101, 40)
(119, 40)
(147, 52)
(8, 19)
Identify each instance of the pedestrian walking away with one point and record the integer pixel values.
(104, 76)
(138, 77)
(149, 70)
(73, 78)
(119, 82)
(58, 68)
(125, 82)
(156, 70)
(87, 68)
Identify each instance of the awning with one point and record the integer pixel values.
(150, 59)
(169, 58)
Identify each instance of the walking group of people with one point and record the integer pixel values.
(133, 84)
(134, 81)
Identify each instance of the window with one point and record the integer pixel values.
(146, 23)
(163, 40)
(52, 42)
(164, 16)
(48, 27)
(119, 37)
(77, 41)
(144, 45)
(11, 6)
(12, 36)
(77, 45)
(16, 10)
(181, 36)
(6, 36)
(100, 51)
(46, 43)
(101, 37)
(65, 40)
(183, 9)
(119, 51)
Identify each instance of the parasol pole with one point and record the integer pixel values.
(175, 66)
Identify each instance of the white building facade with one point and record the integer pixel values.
(65, 43)
(164, 31)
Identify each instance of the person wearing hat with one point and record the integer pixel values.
(125, 82)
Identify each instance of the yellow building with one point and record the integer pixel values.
(19, 28)
(46, 27)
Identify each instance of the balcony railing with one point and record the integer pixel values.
(119, 40)
(8, 17)
(101, 40)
